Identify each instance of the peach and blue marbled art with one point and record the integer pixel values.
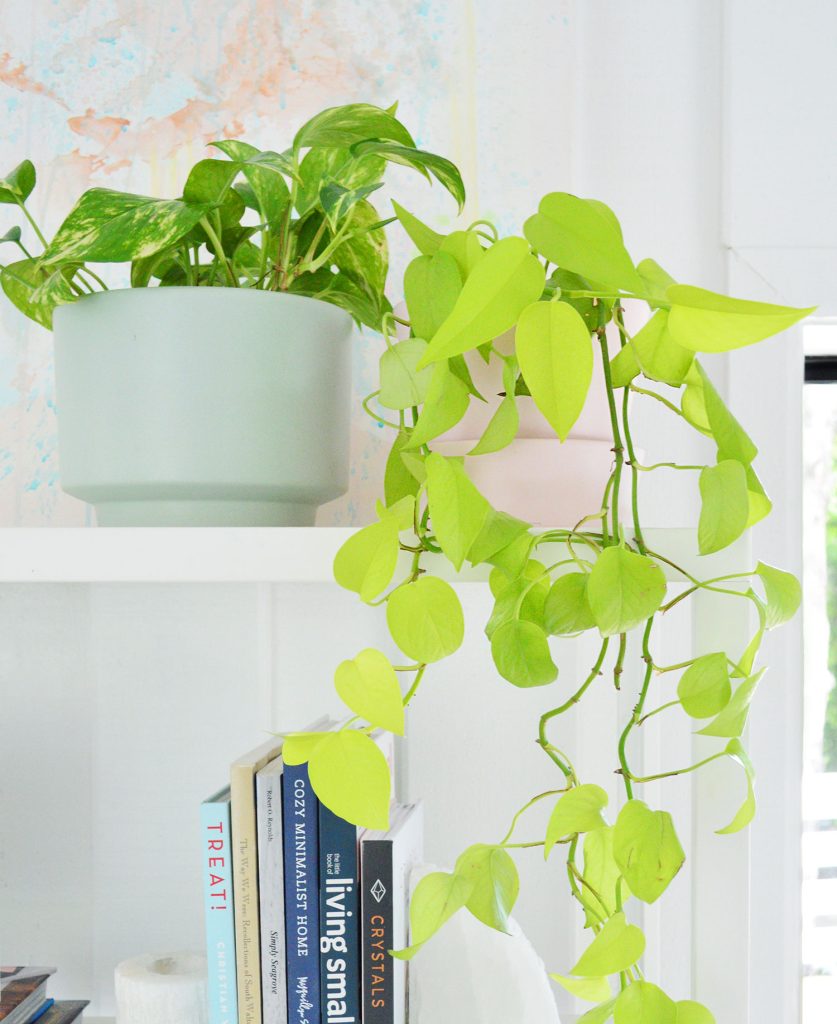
(126, 94)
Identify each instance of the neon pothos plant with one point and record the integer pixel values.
(299, 221)
(559, 287)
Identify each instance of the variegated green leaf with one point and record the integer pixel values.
(111, 227)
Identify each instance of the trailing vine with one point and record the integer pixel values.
(462, 292)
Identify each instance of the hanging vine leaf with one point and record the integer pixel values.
(623, 590)
(731, 721)
(506, 280)
(366, 562)
(368, 685)
(556, 358)
(725, 505)
(783, 592)
(425, 239)
(583, 236)
(644, 1003)
(431, 287)
(704, 688)
(436, 898)
(617, 947)
(747, 811)
(646, 849)
(492, 876)
(705, 321)
(445, 403)
(659, 355)
(350, 775)
(457, 509)
(577, 810)
(567, 609)
(425, 619)
(521, 653)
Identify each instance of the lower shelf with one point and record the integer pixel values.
(246, 555)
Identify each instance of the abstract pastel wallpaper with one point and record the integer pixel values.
(126, 94)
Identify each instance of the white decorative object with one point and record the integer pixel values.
(470, 974)
(165, 988)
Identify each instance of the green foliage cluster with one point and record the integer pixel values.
(557, 286)
(299, 221)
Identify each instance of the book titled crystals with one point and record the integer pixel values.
(386, 860)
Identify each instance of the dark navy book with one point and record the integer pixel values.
(300, 850)
(339, 920)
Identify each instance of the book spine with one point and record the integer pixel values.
(339, 920)
(218, 908)
(377, 932)
(301, 827)
(246, 894)
(271, 897)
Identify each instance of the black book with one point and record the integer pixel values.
(387, 858)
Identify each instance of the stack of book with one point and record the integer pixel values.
(24, 999)
(302, 908)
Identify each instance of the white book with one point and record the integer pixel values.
(272, 893)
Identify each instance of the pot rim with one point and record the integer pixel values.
(340, 316)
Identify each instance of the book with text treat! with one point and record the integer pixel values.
(216, 835)
(386, 860)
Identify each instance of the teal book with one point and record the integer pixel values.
(216, 836)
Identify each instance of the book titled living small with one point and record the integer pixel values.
(340, 909)
(216, 834)
(300, 812)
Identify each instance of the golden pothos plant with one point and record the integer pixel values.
(558, 286)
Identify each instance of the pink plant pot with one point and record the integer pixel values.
(538, 478)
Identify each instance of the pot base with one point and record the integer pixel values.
(187, 512)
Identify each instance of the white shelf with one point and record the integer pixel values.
(278, 555)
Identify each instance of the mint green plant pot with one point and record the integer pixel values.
(203, 406)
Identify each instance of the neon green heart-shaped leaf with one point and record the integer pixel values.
(368, 685)
(556, 359)
(705, 321)
(503, 283)
(350, 774)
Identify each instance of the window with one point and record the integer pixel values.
(819, 771)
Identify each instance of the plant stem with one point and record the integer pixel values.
(638, 708)
(663, 465)
(656, 711)
(524, 809)
(31, 220)
(219, 252)
(653, 394)
(677, 771)
(618, 451)
(408, 696)
(579, 693)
